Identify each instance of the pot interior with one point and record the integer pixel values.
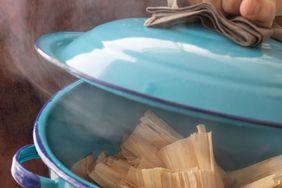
(83, 119)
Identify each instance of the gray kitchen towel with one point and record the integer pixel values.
(238, 29)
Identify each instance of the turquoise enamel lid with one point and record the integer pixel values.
(186, 65)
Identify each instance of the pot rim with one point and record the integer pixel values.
(44, 151)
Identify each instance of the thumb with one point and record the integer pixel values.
(262, 12)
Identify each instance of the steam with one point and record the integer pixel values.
(23, 21)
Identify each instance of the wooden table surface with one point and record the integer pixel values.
(26, 81)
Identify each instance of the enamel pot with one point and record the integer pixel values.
(185, 74)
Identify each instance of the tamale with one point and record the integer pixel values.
(186, 178)
(143, 164)
(105, 176)
(117, 164)
(109, 172)
(130, 180)
(147, 138)
(83, 167)
(101, 158)
(153, 121)
(129, 156)
(257, 171)
(167, 178)
(194, 151)
(179, 155)
(203, 148)
(156, 136)
(147, 178)
(190, 152)
(270, 181)
(141, 149)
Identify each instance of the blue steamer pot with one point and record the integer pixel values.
(81, 118)
(185, 74)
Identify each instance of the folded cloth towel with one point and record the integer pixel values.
(238, 29)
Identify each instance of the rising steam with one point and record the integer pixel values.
(22, 21)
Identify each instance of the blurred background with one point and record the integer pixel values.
(26, 81)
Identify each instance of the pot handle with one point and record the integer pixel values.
(24, 177)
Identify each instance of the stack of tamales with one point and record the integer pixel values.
(154, 155)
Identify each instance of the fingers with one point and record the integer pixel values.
(278, 8)
(261, 11)
(231, 7)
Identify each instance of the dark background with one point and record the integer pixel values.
(26, 81)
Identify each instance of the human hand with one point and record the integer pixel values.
(263, 12)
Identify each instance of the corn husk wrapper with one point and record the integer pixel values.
(143, 164)
(130, 180)
(147, 139)
(165, 178)
(189, 152)
(274, 180)
(141, 149)
(154, 155)
(101, 158)
(256, 172)
(165, 134)
(110, 172)
(128, 155)
(194, 151)
(179, 155)
(151, 177)
(83, 167)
